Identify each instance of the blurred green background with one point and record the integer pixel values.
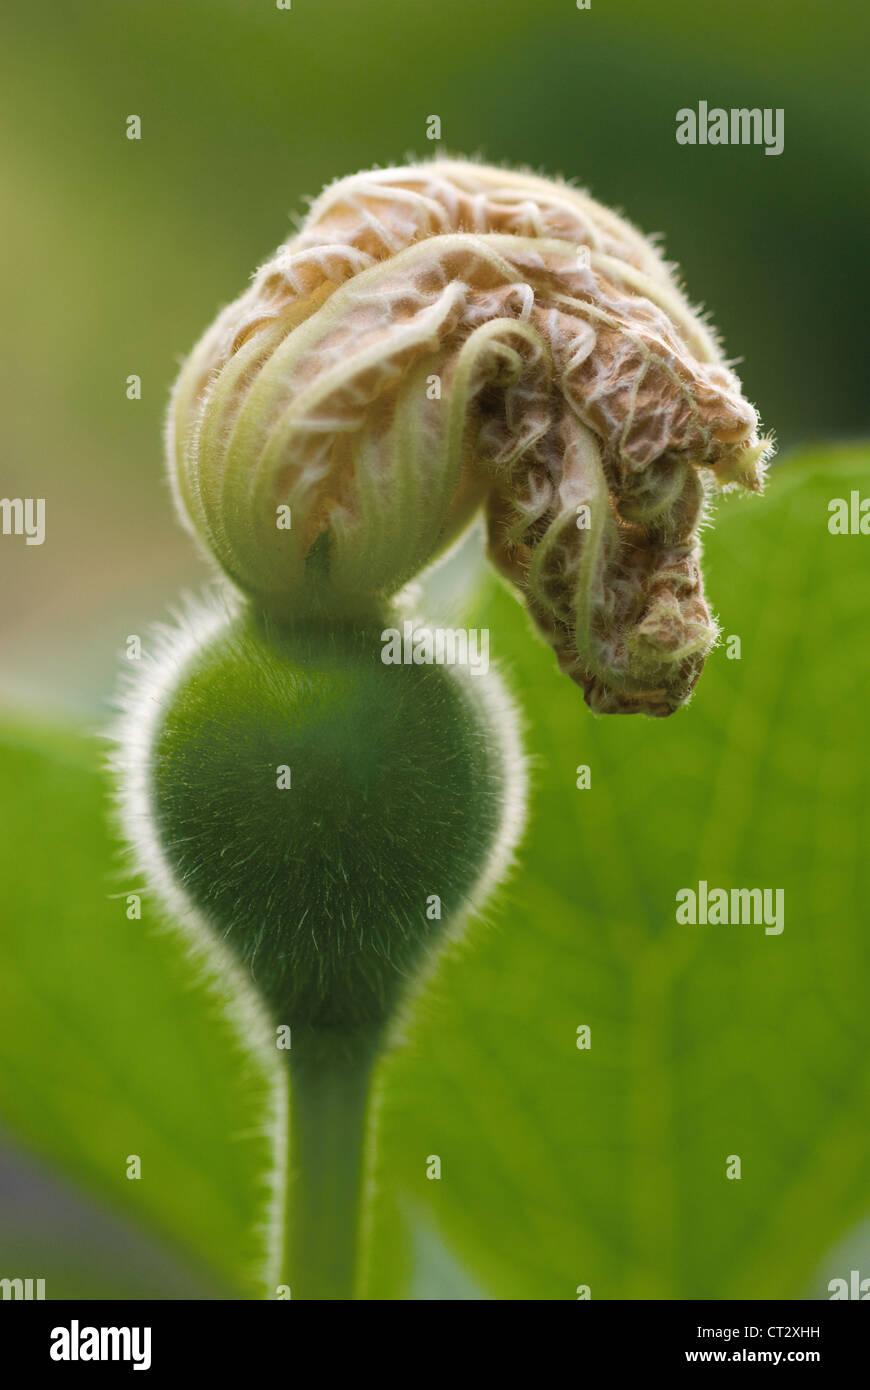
(116, 256)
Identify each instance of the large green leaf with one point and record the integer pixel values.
(560, 1167)
(607, 1167)
(112, 1042)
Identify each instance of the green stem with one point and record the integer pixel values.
(329, 1098)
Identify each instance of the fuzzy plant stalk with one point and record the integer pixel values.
(332, 818)
(435, 341)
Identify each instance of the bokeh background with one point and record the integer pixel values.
(118, 253)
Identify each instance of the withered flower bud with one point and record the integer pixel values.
(448, 336)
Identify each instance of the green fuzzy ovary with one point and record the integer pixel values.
(397, 793)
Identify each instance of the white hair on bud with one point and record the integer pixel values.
(143, 697)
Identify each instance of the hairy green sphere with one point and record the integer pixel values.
(320, 809)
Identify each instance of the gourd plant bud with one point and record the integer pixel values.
(436, 341)
(446, 337)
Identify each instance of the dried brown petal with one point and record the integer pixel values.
(449, 335)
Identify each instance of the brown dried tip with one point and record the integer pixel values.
(449, 335)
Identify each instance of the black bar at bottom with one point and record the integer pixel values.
(256, 1339)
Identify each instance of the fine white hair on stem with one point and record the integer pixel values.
(144, 695)
(147, 695)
